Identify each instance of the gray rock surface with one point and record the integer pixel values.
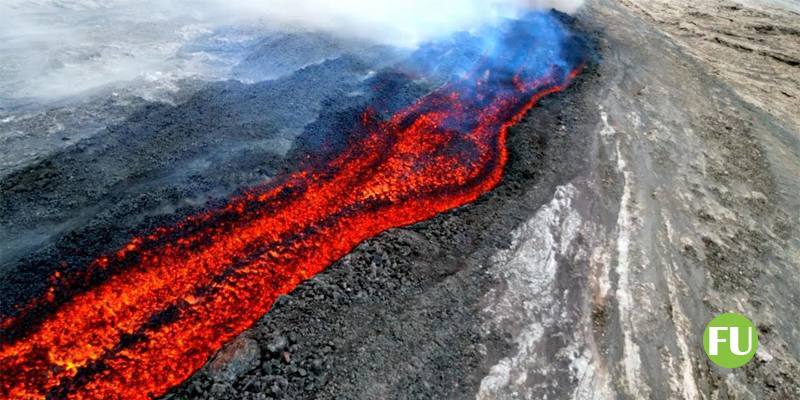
(658, 191)
(235, 359)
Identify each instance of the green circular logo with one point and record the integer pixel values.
(730, 340)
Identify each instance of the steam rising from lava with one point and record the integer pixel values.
(173, 296)
(51, 49)
(401, 23)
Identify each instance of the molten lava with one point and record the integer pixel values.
(186, 290)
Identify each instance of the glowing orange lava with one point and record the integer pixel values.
(192, 287)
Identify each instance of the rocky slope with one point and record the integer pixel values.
(657, 192)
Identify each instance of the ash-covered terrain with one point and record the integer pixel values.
(660, 189)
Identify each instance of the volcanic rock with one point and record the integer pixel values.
(234, 360)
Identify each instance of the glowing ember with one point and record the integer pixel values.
(186, 290)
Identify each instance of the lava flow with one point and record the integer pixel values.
(186, 290)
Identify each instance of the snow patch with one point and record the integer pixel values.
(631, 360)
(527, 302)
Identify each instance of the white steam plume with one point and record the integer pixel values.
(395, 22)
(56, 48)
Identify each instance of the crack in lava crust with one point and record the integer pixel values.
(188, 289)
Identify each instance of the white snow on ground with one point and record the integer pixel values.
(683, 381)
(526, 301)
(631, 360)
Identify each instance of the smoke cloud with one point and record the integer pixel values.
(402, 23)
(57, 48)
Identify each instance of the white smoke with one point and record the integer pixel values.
(395, 22)
(58, 48)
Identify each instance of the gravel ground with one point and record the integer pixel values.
(659, 190)
(400, 316)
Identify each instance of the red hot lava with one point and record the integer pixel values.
(187, 290)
